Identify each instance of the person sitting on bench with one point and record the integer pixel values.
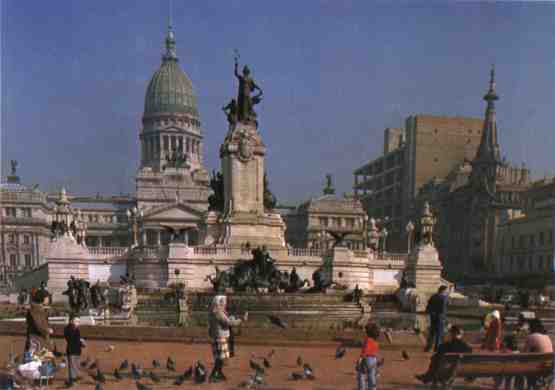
(455, 345)
(539, 342)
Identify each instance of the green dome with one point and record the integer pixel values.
(170, 90)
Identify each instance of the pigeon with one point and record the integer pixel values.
(156, 364)
(99, 376)
(179, 380)
(155, 378)
(117, 375)
(296, 376)
(93, 366)
(124, 365)
(340, 352)
(308, 372)
(200, 373)
(255, 366)
(266, 363)
(405, 355)
(98, 386)
(136, 371)
(299, 361)
(86, 362)
(278, 321)
(141, 386)
(170, 364)
(258, 378)
(388, 336)
(188, 374)
(272, 352)
(109, 348)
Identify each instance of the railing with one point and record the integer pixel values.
(212, 251)
(392, 256)
(306, 252)
(104, 252)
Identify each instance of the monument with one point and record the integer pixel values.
(244, 218)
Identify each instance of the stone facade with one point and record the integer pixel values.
(525, 239)
(309, 223)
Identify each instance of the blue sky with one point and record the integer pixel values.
(334, 73)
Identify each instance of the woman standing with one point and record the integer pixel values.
(220, 323)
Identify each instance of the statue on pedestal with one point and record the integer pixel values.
(246, 102)
(427, 222)
(13, 164)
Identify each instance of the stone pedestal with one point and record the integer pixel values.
(349, 270)
(424, 269)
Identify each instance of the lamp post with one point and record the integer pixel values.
(410, 232)
(383, 235)
(134, 216)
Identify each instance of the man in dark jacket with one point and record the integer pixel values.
(74, 342)
(455, 345)
(437, 312)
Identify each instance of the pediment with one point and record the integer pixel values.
(175, 212)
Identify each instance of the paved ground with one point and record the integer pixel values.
(330, 373)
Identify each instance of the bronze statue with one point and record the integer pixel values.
(427, 222)
(231, 111)
(13, 163)
(245, 102)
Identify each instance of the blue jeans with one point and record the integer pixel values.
(368, 371)
(435, 334)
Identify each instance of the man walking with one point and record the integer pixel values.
(437, 312)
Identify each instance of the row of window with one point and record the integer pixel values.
(15, 212)
(12, 238)
(170, 143)
(529, 240)
(97, 218)
(528, 264)
(337, 222)
(13, 263)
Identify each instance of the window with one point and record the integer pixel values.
(11, 212)
(27, 261)
(106, 241)
(323, 221)
(13, 261)
(27, 213)
(550, 236)
(541, 239)
(151, 238)
(26, 239)
(11, 238)
(521, 243)
(91, 218)
(166, 143)
(350, 222)
(512, 242)
(532, 241)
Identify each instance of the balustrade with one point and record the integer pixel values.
(211, 251)
(104, 252)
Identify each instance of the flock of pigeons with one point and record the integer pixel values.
(196, 373)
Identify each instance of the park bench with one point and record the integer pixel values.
(487, 365)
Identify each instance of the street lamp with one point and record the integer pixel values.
(383, 235)
(410, 231)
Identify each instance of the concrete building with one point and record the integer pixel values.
(429, 147)
(525, 238)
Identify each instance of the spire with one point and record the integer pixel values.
(489, 148)
(171, 54)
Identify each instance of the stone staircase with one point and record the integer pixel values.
(153, 309)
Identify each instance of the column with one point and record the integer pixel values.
(186, 237)
(143, 235)
(187, 144)
(158, 240)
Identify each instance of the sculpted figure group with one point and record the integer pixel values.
(258, 274)
(82, 296)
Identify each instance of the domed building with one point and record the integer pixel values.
(172, 184)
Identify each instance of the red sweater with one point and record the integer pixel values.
(369, 347)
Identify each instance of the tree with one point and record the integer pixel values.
(216, 200)
(270, 200)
